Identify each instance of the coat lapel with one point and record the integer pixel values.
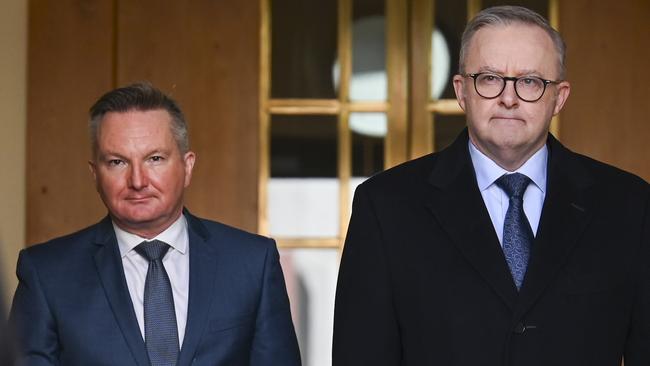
(202, 275)
(110, 270)
(458, 206)
(567, 210)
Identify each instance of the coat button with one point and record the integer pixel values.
(520, 328)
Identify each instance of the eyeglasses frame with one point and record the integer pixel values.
(514, 84)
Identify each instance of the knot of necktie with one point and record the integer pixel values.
(152, 250)
(514, 184)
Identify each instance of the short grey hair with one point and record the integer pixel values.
(143, 97)
(506, 15)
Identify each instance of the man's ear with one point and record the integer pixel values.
(92, 168)
(563, 91)
(188, 159)
(459, 88)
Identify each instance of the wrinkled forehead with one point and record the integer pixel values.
(142, 125)
(515, 48)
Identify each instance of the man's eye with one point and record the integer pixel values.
(531, 83)
(489, 79)
(115, 162)
(156, 158)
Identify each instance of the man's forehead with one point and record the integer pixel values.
(159, 114)
(143, 126)
(524, 47)
(157, 119)
(514, 30)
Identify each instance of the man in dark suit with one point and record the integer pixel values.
(150, 284)
(505, 248)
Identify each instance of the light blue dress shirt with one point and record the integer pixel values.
(176, 263)
(497, 201)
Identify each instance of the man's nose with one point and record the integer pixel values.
(138, 178)
(509, 97)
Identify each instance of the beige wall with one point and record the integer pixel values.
(13, 56)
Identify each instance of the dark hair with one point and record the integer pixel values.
(506, 15)
(139, 97)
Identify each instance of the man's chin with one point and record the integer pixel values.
(509, 139)
(137, 219)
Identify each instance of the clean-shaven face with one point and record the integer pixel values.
(508, 129)
(139, 171)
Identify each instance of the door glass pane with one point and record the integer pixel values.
(446, 128)
(310, 275)
(450, 18)
(303, 190)
(368, 134)
(303, 48)
(368, 81)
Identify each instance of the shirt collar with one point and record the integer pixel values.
(175, 235)
(487, 171)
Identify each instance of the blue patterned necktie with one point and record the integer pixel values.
(517, 234)
(160, 328)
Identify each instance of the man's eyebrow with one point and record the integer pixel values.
(531, 72)
(489, 69)
(158, 152)
(523, 72)
(110, 155)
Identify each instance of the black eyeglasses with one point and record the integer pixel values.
(527, 88)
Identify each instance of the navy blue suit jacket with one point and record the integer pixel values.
(72, 305)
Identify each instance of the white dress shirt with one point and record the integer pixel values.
(497, 201)
(176, 263)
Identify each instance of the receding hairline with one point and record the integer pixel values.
(514, 24)
(508, 15)
(135, 109)
(100, 118)
(140, 96)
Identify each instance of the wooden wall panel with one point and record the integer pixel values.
(607, 115)
(69, 66)
(206, 54)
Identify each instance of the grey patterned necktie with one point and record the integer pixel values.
(160, 328)
(517, 235)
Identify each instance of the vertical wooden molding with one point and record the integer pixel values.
(344, 158)
(344, 45)
(397, 69)
(421, 27)
(473, 7)
(265, 119)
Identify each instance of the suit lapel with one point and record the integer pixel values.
(110, 270)
(457, 205)
(567, 210)
(202, 274)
